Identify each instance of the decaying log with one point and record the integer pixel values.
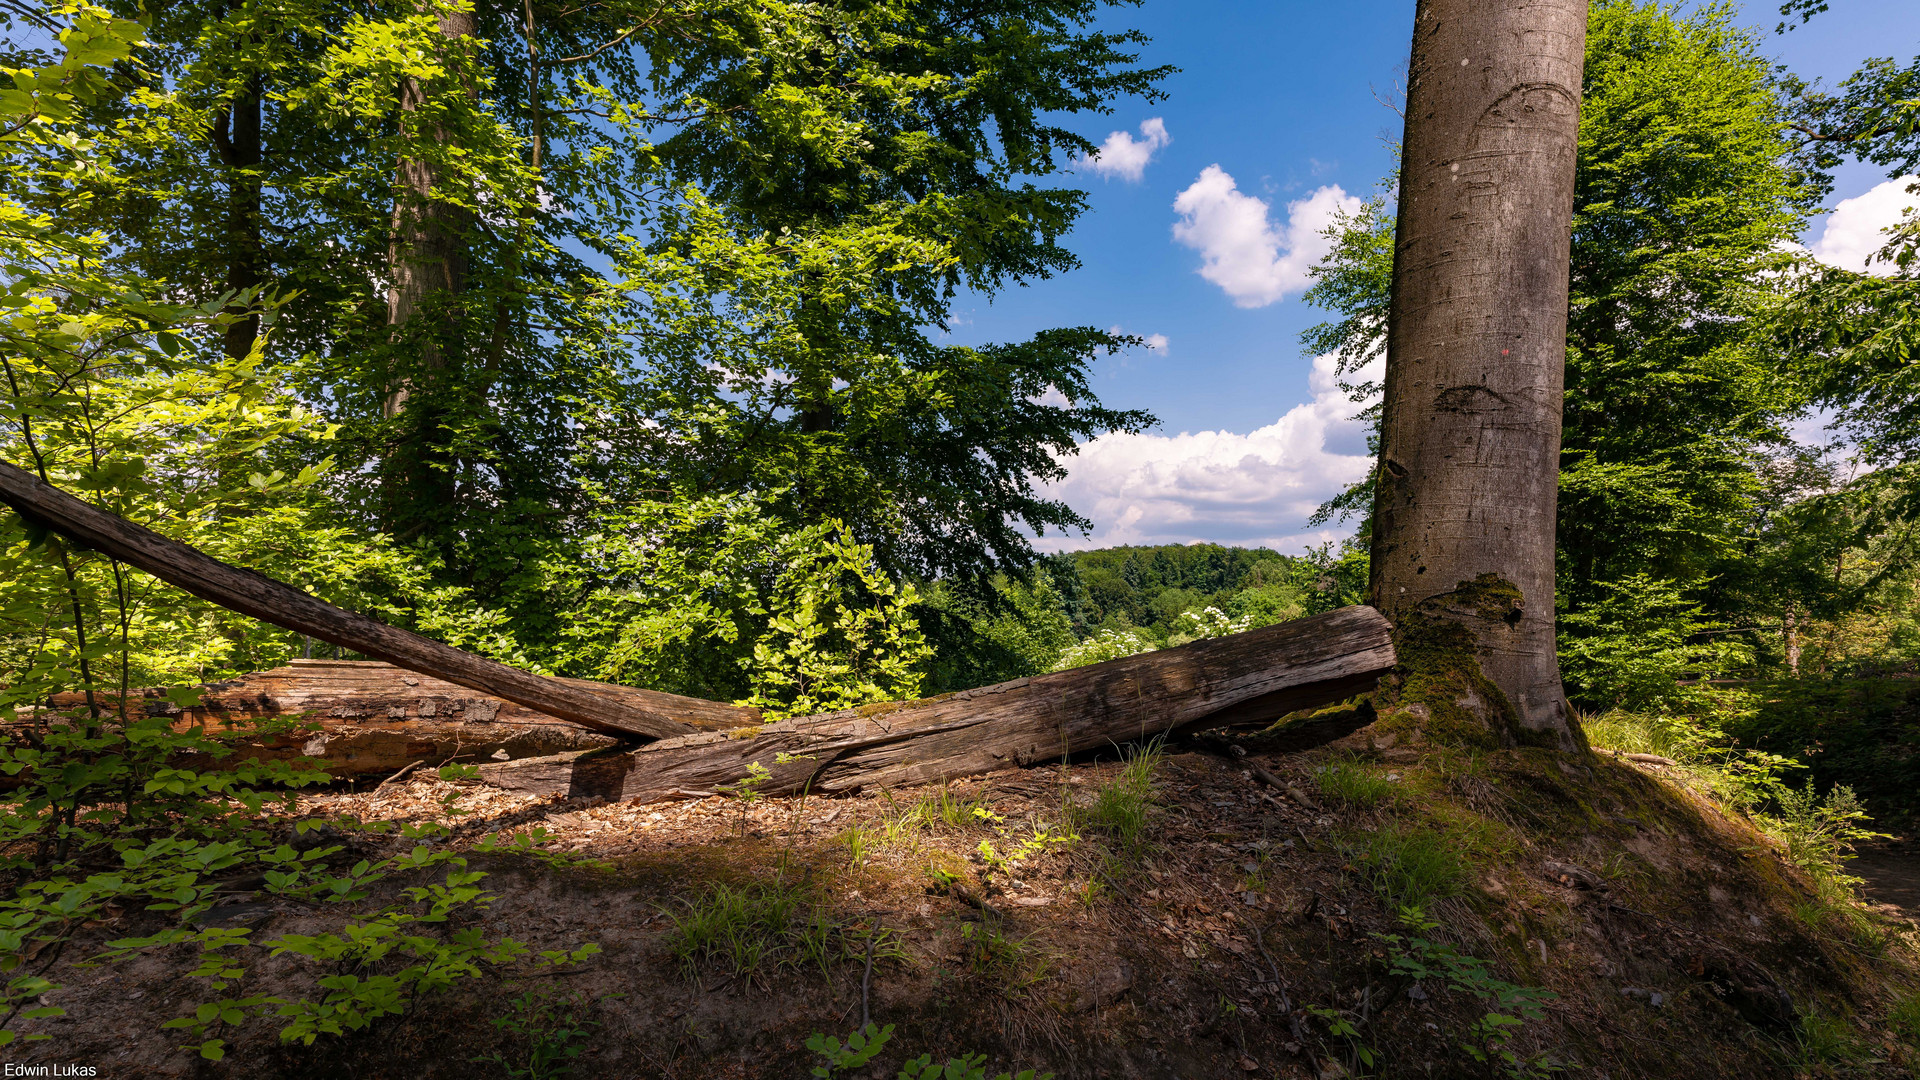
(1249, 678)
(375, 718)
(1242, 679)
(283, 605)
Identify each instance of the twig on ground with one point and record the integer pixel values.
(866, 977)
(404, 770)
(1286, 1000)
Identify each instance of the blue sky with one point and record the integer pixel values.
(1275, 103)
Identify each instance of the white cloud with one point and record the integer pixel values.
(1253, 259)
(1156, 343)
(1217, 486)
(1124, 156)
(1856, 228)
(1054, 397)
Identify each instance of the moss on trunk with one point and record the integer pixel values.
(1439, 691)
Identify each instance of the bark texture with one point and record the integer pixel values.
(428, 252)
(374, 719)
(1243, 679)
(283, 605)
(238, 141)
(1463, 538)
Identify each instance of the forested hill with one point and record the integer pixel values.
(1150, 587)
(1085, 606)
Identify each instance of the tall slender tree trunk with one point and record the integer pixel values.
(237, 138)
(1790, 630)
(427, 267)
(427, 255)
(1463, 538)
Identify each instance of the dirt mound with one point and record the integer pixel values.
(1349, 911)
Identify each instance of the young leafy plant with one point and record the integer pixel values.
(863, 1046)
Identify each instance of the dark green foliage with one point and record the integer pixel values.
(549, 1028)
(1863, 733)
(1686, 197)
(699, 249)
(1019, 629)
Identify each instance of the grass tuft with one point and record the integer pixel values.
(1353, 786)
(1904, 1018)
(1634, 733)
(1119, 809)
(1410, 866)
(748, 929)
(995, 957)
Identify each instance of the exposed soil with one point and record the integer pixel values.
(1676, 942)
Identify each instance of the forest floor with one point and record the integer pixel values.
(1891, 871)
(1096, 920)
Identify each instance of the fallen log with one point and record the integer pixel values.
(1243, 679)
(271, 601)
(375, 719)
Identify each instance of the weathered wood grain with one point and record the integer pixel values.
(1243, 679)
(283, 605)
(376, 718)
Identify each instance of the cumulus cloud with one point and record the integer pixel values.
(1126, 157)
(1856, 229)
(1155, 343)
(1256, 260)
(1218, 486)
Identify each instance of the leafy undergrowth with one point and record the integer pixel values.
(1387, 911)
(1860, 732)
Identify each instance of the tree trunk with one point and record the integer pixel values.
(427, 253)
(1243, 679)
(427, 263)
(1790, 630)
(237, 138)
(1463, 534)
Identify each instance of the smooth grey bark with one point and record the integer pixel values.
(1476, 348)
(427, 252)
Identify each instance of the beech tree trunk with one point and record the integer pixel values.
(427, 267)
(1463, 532)
(428, 247)
(238, 141)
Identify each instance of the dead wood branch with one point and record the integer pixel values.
(263, 598)
(1243, 679)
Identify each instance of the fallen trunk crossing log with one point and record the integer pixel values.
(283, 605)
(1243, 679)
